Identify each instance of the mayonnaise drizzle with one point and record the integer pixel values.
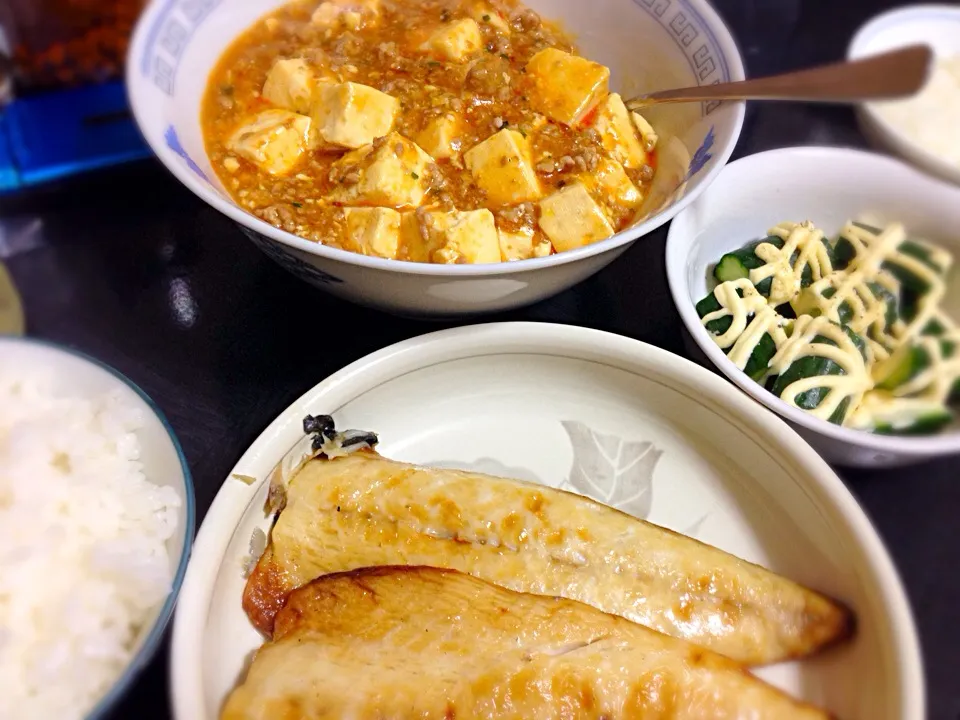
(744, 333)
(851, 288)
(936, 381)
(899, 413)
(807, 242)
(852, 384)
(874, 249)
(753, 316)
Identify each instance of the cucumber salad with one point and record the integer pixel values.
(849, 329)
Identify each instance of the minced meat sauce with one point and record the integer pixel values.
(382, 48)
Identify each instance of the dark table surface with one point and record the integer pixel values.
(130, 267)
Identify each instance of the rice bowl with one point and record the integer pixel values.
(98, 512)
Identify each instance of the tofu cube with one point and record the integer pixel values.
(451, 237)
(486, 15)
(465, 237)
(522, 245)
(293, 85)
(647, 134)
(502, 168)
(392, 172)
(441, 137)
(414, 239)
(542, 248)
(274, 140)
(373, 231)
(612, 185)
(566, 87)
(455, 41)
(345, 14)
(515, 245)
(571, 218)
(352, 115)
(618, 134)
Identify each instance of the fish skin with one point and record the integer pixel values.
(364, 510)
(427, 643)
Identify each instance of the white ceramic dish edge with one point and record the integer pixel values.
(234, 497)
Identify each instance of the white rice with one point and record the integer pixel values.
(931, 118)
(83, 564)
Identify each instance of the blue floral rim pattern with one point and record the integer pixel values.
(288, 261)
(173, 142)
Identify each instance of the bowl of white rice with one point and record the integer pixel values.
(97, 511)
(923, 128)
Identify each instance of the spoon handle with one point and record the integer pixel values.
(894, 74)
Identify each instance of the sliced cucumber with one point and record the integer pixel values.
(758, 363)
(729, 268)
(909, 280)
(933, 327)
(906, 416)
(842, 253)
(806, 303)
(738, 264)
(921, 253)
(857, 340)
(890, 300)
(927, 424)
(908, 361)
(909, 304)
(708, 305)
(901, 367)
(949, 349)
(816, 366)
(805, 367)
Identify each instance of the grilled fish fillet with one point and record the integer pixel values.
(362, 510)
(401, 642)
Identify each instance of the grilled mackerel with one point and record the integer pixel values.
(344, 511)
(400, 642)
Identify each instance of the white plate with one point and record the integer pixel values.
(531, 400)
(935, 25)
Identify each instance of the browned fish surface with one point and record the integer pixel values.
(363, 510)
(396, 642)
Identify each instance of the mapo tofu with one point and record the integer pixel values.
(443, 131)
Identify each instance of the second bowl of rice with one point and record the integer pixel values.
(97, 506)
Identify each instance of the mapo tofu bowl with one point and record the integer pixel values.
(436, 157)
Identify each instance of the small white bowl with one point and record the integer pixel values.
(164, 464)
(648, 45)
(534, 401)
(827, 186)
(935, 25)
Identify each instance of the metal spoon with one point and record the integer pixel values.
(895, 74)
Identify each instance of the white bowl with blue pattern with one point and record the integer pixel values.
(648, 45)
